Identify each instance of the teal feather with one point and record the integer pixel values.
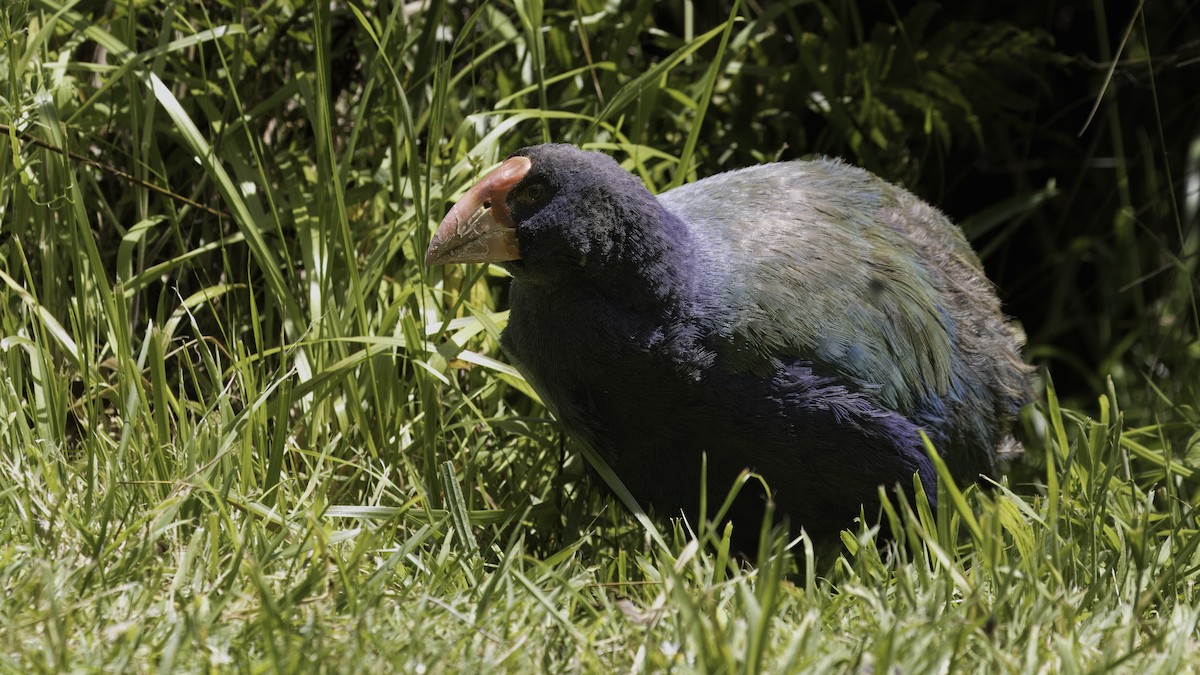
(824, 260)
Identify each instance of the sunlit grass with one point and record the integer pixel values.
(242, 427)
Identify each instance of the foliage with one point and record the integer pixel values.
(242, 426)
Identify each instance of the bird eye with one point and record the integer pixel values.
(532, 194)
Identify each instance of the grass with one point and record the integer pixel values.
(243, 428)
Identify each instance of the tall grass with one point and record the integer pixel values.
(242, 427)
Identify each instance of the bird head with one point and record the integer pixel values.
(546, 212)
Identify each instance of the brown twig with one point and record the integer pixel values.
(108, 168)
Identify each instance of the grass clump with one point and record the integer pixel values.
(242, 427)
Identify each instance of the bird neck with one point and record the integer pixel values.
(625, 247)
(656, 266)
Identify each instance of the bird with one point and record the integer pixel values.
(804, 321)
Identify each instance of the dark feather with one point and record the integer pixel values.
(802, 320)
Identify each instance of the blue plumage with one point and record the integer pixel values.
(803, 320)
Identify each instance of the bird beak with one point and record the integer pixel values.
(479, 227)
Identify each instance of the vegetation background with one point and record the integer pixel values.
(242, 428)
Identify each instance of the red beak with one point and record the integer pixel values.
(479, 227)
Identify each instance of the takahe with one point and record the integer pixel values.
(802, 320)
